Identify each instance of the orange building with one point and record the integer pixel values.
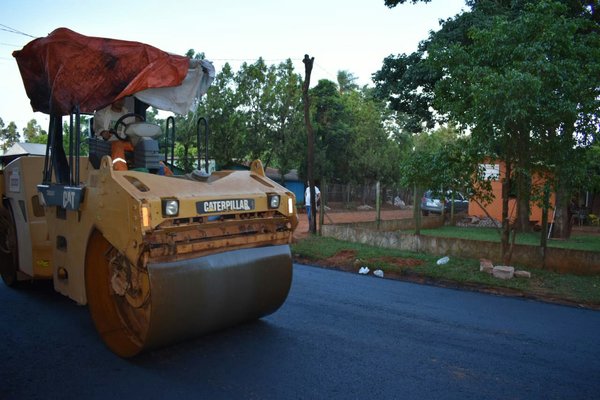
(496, 172)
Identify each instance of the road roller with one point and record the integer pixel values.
(158, 257)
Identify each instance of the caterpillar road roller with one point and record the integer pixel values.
(157, 258)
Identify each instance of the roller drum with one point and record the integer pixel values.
(201, 295)
(169, 302)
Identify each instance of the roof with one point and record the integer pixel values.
(274, 174)
(24, 149)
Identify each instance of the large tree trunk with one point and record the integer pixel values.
(562, 217)
(523, 197)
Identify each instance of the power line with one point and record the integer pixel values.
(250, 59)
(13, 30)
(327, 72)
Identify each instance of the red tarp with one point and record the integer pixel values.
(66, 69)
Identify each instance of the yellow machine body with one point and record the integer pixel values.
(156, 258)
(150, 278)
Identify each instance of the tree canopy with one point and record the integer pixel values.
(523, 77)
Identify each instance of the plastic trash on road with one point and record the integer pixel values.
(378, 273)
(443, 260)
(363, 270)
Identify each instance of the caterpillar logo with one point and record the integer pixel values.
(216, 206)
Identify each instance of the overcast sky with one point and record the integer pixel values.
(352, 35)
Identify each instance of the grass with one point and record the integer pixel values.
(458, 271)
(576, 242)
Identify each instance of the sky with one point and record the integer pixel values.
(350, 35)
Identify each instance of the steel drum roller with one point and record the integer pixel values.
(184, 299)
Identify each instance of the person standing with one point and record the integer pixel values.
(307, 200)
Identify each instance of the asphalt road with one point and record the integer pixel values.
(338, 336)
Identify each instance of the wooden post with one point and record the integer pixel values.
(378, 203)
(324, 196)
(308, 66)
(544, 235)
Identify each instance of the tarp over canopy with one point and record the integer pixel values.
(66, 69)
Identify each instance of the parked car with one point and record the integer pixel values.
(431, 203)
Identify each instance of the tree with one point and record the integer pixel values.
(345, 80)
(506, 71)
(9, 135)
(374, 156)
(529, 76)
(255, 87)
(288, 122)
(221, 107)
(34, 133)
(394, 3)
(332, 136)
(406, 82)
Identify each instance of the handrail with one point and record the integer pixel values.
(172, 120)
(206, 133)
(77, 144)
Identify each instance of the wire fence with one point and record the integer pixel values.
(353, 196)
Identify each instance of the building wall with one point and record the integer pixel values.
(494, 208)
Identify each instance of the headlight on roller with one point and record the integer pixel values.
(273, 201)
(170, 207)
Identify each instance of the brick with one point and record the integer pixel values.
(503, 272)
(522, 274)
(486, 266)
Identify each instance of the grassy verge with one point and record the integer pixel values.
(576, 242)
(460, 271)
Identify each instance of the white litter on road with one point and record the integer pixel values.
(443, 260)
(378, 273)
(363, 270)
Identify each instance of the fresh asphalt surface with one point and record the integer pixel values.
(339, 335)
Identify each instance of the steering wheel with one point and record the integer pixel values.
(121, 120)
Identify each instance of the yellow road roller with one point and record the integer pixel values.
(158, 258)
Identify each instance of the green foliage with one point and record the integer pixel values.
(405, 82)
(345, 80)
(374, 156)
(394, 3)
(34, 133)
(332, 138)
(255, 87)
(289, 140)
(522, 76)
(8, 135)
(222, 106)
(83, 148)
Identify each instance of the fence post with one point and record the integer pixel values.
(324, 192)
(378, 203)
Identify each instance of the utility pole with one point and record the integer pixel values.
(308, 66)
